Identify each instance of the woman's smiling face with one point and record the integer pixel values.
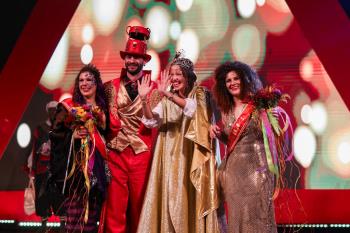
(233, 84)
(87, 85)
(178, 80)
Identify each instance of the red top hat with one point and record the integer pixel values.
(136, 47)
(136, 44)
(138, 32)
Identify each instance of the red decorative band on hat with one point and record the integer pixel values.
(137, 48)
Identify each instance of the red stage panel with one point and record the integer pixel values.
(25, 65)
(292, 206)
(327, 28)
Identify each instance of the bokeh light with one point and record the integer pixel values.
(246, 45)
(343, 152)
(153, 65)
(184, 5)
(306, 114)
(88, 34)
(304, 144)
(23, 135)
(54, 70)
(312, 70)
(306, 69)
(189, 42)
(300, 100)
(319, 117)
(175, 30)
(275, 18)
(86, 54)
(279, 5)
(260, 2)
(246, 8)
(142, 2)
(338, 158)
(158, 20)
(107, 14)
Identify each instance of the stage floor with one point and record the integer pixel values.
(280, 230)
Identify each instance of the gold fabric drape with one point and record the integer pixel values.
(130, 113)
(182, 194)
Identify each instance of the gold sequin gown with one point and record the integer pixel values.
(181, 196)
(246, 183)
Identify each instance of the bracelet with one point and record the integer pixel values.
(171, 98)
(145, 100)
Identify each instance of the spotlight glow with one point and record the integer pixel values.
(54, 70)
(304, 146)
(107, 14)
(189, 42)
(343, 152)
(306, 114)
(306, 69)
(319, 117)
(175, 30)
(279, 5)
(245, 44)
(246, 8)
(86, 54)
(23, 135)
(338, 147)
(143, 2)
(260, 2)
(184, 5)
(153, 65)
(88, 34)
(158, 20)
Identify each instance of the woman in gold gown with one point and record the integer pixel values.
(255, 145)
(181, 194)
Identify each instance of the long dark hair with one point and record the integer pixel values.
(250, 83)
(100, 94)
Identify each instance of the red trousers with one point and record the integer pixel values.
(126, 190)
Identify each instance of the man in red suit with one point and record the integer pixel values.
(128, 140)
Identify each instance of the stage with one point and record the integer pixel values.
(301, 46)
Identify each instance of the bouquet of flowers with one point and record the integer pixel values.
(269, 97)
(85, 116)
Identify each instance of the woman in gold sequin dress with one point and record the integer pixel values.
(246, 174)
(181, 194)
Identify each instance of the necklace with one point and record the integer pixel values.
(232, 116)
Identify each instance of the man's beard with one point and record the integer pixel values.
(134, 72)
